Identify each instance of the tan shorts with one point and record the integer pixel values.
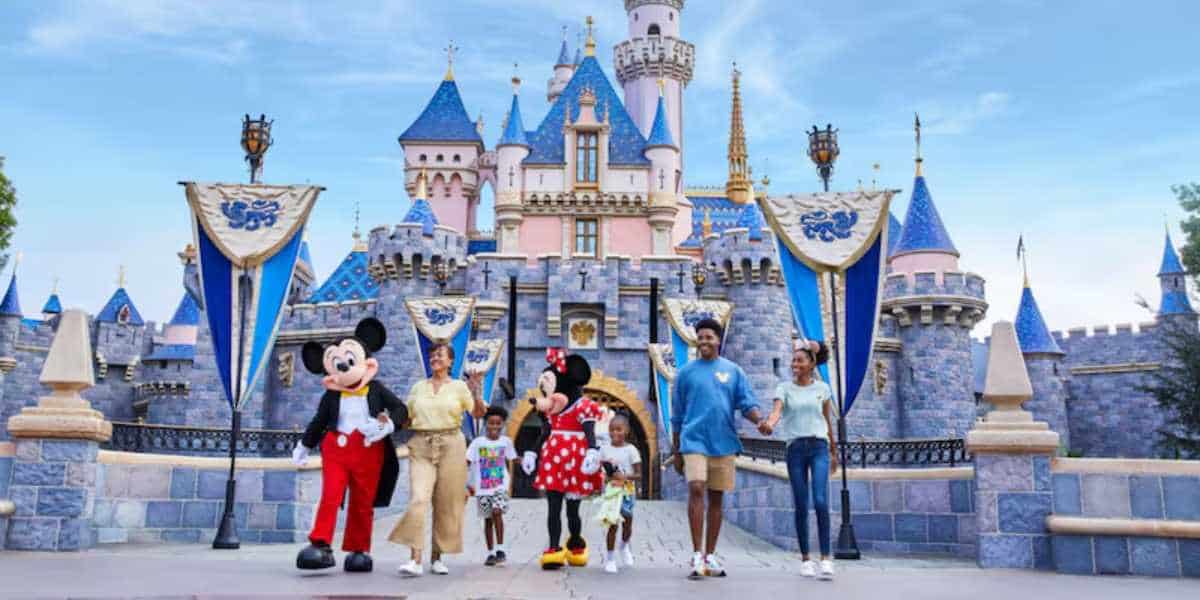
(716, 471)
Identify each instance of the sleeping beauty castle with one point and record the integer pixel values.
(597, 221)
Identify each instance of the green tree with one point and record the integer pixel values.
(8, 221)
(1176, 386)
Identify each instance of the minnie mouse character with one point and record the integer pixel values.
(569, 459)
(353, 425)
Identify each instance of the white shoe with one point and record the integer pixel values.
(439, 568)
(627, 556)
(713, 566)
(610, 566)
(411, 568)
(827, 569)
(808, 568)
(698, 570)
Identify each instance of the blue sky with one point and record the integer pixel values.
(1065, 121)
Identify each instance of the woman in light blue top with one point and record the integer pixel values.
(803, 415)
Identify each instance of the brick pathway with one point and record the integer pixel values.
(662, 547)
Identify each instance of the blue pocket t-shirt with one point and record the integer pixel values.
(705, 396)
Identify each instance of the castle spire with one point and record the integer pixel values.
(11, 304)
(660, 132)
(1171, 278)
(738, 187)
(359, 244)
(917, 129)
(590, 44)
(514, 127)
(564, 54)
(1032, 334)
(450, 50)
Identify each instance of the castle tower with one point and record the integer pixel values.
(512, 148)
(53, 306)
(654, 50)
(1173, 281)
(935, 306)
(10, 322)
(445, 143)
(1044, 362)
(664, 179)
(738, 187)
(564, 68)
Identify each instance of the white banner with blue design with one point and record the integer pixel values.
(248, 238)
(442, 320)
(834, 233)
(662, 356)
(483, 356)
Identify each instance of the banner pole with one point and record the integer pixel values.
(227, 537)
(847, 545)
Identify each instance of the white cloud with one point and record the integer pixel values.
(961, 120)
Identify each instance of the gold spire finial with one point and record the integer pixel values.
(450, 50)
(516, 80)
(738, 186)
(1024, 261)
(421, 183)
(661, 86)
(917, 129)
(121, 276)
(706, 227)
(589, 47)
(54, 286)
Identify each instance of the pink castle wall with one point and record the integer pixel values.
(540, 235)
(629, 236)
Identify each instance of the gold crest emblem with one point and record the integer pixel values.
(582, 332)
(723, 377)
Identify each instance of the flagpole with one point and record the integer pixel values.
(847, 545)
(227, 537)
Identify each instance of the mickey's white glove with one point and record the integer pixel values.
(591, 461)
(300, 454)
(529, 462)
(374, 431)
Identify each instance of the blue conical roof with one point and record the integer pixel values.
(514, 130)
(1175, 302)
(53, 305)
(578, 57)
(443, 120)
(752, 220)
(564, 55)
(1032, 333)
(11, 305)
(350, 281)
(112, 310)
(1170, 260)
(895, 230)
(660, 132)
(923, 230)
(187, 313)
(421, 212)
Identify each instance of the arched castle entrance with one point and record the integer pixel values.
(525, 423)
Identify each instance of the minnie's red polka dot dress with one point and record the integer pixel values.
(560, 468)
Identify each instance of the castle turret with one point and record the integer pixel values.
(664, 179)
(444, 143)
(512, 148)
(935, 306)
(1173, 280)
(564, 68)
(53, 306)
(10, 323)
(655, 50)
(1044, 361)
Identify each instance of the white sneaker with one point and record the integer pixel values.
(827, 569)
(698, 570)
(808, 568)
(610, 566)
(439, 568)
(411, 568)
(713, 566)
(627, 556)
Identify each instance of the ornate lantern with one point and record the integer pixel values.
(256, 139)
(698, 277)
(823, 150)
(440, 275)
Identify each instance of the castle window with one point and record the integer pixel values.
(123, 314)
(424, 158)
(670, 16)
(457, 158)
(585, 236)
(440, 158)
(635, 17)
(586, 156)
(653, 30)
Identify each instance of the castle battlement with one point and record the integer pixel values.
(406, 251)
(1106, 331)
(736, 259)
(950, 297)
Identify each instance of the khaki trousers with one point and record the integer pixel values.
(438, 476)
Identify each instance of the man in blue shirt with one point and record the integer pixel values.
(707, 392)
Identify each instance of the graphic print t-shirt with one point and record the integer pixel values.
(489, 464)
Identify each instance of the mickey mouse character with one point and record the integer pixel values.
(570, 460)
(353, 425)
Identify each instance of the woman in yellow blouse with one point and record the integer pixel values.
(437, 461)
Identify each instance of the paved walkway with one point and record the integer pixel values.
(662, 547)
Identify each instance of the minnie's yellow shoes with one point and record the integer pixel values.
(578, 557)
(553, 559)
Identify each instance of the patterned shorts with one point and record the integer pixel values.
(497, 501)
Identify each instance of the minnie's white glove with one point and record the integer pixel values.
(591, 461)
(300, 454)
(529, 462)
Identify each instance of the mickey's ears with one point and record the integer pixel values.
(578, 370)
(371, 333)
(313, 355)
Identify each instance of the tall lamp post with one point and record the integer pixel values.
(698, 278)
(256, 139)
(823, 150)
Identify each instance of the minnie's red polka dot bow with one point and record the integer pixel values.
(558, 358)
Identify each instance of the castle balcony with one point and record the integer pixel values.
(954, 298)
(592, 203)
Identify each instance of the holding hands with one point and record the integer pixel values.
(373, 431)
(765, 428)
(529, 462)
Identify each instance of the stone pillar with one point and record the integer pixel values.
(1012, 453)
(54, 474)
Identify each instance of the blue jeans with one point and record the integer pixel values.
(804, 454)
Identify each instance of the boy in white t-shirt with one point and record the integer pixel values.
(623, 462)
(490, 458)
